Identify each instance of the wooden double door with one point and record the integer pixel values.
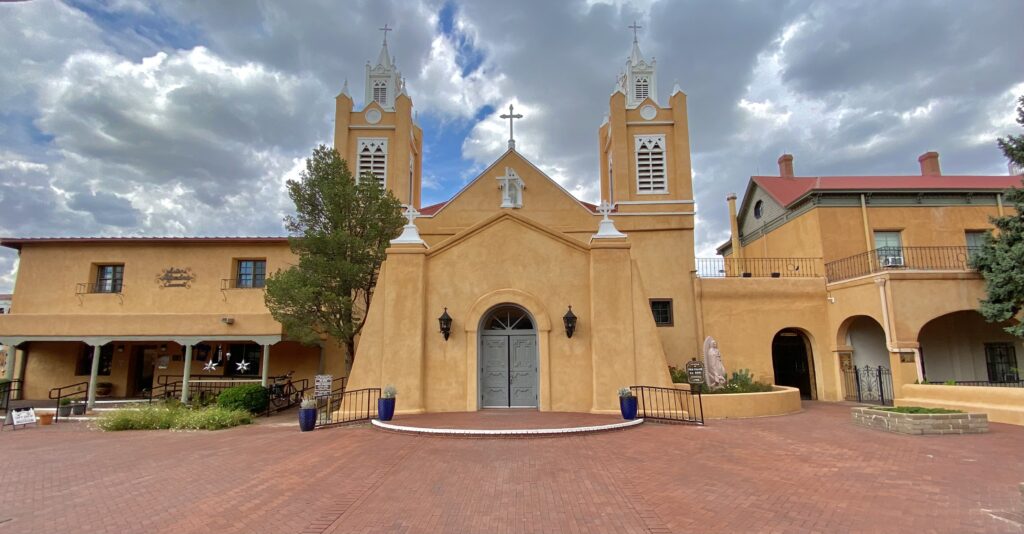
(508, 361)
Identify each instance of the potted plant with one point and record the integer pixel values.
(45, 418)
(386, 403)
(307, 414)
(78, 407)
(64, 410)
(627, 404)
(103, 389)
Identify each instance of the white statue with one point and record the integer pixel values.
(713, 366)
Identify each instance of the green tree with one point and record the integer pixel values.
(1001, 259)
(339, 232)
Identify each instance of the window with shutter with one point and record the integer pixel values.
(373, 158)
(642, 88)
(650, 164)
(380, 92)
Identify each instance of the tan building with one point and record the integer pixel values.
(823, 275)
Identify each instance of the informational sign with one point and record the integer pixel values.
(322, 385)
(695, 371)
(20, 416)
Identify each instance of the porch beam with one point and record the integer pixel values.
(93, 373)
(186, 374)
(266, 365)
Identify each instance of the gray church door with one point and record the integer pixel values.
(508, 360)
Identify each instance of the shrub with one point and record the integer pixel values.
(172, 416)
(252, 398)
(918, 409)
(742, 381)
(678, 375)
(625, 392)
(389, 392)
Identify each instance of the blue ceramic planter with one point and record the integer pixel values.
(385, 409)
(628, 407)
(307, 419)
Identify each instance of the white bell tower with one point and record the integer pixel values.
(383, 81)
(640, 79)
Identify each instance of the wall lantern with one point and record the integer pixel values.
(570, 322)
(446, 324)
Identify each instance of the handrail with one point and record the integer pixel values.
(7, 388)
(901, 258)
(61, 395)
(758, 267)
(669, 404)
(348, 407)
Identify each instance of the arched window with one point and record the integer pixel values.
(642, 88)
(758, 209)
(380, 92)
(650, 164)
(508, 318)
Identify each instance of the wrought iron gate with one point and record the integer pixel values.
(870, 385)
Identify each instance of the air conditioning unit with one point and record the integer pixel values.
(892, 261)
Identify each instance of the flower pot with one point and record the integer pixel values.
(307, 419)
(627, 405)
(103, 389)
(64, 411)
(385, 409)
(78, 408)
(45, 418)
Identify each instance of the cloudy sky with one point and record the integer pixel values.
(127, 117)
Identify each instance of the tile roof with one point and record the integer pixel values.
(786, 190)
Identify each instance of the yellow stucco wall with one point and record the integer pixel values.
(1003, 405)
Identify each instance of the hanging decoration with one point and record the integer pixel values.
(243, 366)
(211, 365)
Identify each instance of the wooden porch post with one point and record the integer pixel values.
(266, 365)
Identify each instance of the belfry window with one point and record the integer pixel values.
(642, 88)
(380, 92)
(373, 158)
(650, 164)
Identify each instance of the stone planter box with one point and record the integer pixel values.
(781, 400)
(921, 423)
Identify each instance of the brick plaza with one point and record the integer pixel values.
(810, 472)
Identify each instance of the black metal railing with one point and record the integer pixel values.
(758, 267)
(347, 407)
(869, 385)
(669, 404)
(8, 389)
(983, 383)
(286, 393)
(901, 259)
(241, 283)
(110, 287)
(78, 391)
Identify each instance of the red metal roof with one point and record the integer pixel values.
(433, 208)
(787, 190)
(17, 242)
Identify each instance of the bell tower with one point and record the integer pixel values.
(381, 141)
(645, 147)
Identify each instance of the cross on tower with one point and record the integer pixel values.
(510, 116)
(634, 27)
(385, 29)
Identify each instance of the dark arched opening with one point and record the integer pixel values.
(792, 362)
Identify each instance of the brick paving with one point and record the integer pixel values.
(810, 472)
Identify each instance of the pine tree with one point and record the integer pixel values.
(1001, 259)
(340, 231)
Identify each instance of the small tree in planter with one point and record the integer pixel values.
(307, 414)
(627, 404)
(65, 407)
(386, 403)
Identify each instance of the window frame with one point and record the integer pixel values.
(238, 352)
(373, 144)
(380, 87)
(671, 312)
(1010, 363)
(651, 140)
(112, 285)
(253, 276)
(883, 252)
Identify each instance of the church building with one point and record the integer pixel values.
(514, 293)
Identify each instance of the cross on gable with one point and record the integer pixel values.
(605, 208)
(510, 116)
(385, 29)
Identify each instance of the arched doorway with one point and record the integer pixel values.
(963, 347)
(508, 359)
(792, 362)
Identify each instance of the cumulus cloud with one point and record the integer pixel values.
(135, 117)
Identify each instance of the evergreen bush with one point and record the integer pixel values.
(252, 398)
(742, 381)
(172, 416)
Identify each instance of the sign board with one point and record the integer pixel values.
(695, 372)
(322, 385)
(20, 416)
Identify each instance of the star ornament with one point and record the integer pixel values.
(210, 366)
(243, 366)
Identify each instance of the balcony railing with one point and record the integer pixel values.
(901, 259)
(242, 283)
(106, 286)
(757, 267)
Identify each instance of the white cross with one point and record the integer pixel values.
(510, 116)
(604, 209)
(411, 214)
(633, 27)
(385, 29)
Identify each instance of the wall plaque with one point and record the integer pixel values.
(175, 277)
